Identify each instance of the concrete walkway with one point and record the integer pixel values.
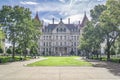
(100, 71)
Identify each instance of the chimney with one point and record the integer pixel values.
(79, 22)
(53, 20)
(43, 22)
(68, 20)
(60, 19)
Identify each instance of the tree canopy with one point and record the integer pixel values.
(104, 27)
(19, 27)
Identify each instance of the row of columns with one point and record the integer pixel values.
(58, 51)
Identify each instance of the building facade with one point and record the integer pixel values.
(60, 39)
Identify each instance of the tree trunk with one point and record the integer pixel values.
(108, 50)
(25, 51)
(13, 53)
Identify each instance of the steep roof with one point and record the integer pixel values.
(85, 19)
(37, 17)
(50, 27)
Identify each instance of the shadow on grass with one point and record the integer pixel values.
(113, 68)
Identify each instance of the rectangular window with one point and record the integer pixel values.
(60, 43)
(43, 49)
(56, 37)
(43, 37)
(74, 43)
(77, 37)
(64, 37)
(44, 43)
(65, 43)
(49, 37)
(74, 37)
(49, 43)
(60, 37)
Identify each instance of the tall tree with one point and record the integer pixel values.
(110, 22)
(29, 34)
(10, 19)
(90, 41)
(2, 41)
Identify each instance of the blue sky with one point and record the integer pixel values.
(48, 9)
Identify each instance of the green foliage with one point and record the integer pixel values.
(5, 59)
(9, 51)
(18, 50)
(112, 51)
(91, 39)
(96, 12)
(110, 22)
(2, 37)
(105, 26)
(33, 50)
(1, 50)
(19, 27)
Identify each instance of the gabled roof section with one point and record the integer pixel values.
(37, 17)
(51, 27)
(85, 20)
(71, 26)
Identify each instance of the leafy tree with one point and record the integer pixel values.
(10, 17)
(2, 37)
(18, 51)
(9, 51)
(1, 50)
(110, 22)
(33, 51)
(91, 39)
(29, 35)
(117, 46)
(96, 12)
(19, 27)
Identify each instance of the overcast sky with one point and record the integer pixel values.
(48, 9)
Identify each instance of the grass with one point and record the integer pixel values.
(61, 61)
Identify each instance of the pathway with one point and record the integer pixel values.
(100, 71)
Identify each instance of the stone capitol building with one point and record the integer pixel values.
(60, 39)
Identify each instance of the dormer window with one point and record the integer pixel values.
(61, 29)
(64, 29)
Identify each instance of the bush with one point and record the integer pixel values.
(116, 60)
(9, 51)
(5, 59)
(1, 50)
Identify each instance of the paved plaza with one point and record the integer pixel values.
(19, 71)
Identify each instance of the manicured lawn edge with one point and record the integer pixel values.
(61, 61)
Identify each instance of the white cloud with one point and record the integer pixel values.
(28, 3)
(63, 1)
(73, 9)
(74, 18)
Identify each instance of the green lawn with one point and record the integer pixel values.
(61, 61)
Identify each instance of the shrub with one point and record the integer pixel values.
(1, 50)
(9, 51)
